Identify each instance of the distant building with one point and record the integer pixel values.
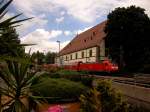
(86, 47)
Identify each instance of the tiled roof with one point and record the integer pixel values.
(90, 38)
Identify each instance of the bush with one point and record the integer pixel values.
(112, 100)
(60, 89)
(103, 99)
(68, 72)
(90, 102)
(74, 76)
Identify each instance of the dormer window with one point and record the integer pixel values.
(91, 38)
(94, 33)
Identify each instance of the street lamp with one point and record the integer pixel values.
(59, 50)
(59, 44)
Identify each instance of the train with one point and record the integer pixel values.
(104, 66)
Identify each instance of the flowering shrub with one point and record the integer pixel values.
(56, 108)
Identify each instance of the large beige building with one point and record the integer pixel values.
(86, 47)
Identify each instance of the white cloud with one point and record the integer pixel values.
(86, 11)
(67, 33)
(59, 20)
(82, 10)
(41, 38)
(46, 46)
(37, 21)
(62, 13)
(55, 33)
(33, 7)
(90, 10)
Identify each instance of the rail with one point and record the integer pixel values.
(137, 80)
(132, 83)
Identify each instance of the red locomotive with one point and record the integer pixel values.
(105, 66)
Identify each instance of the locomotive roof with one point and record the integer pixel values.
(90, 38)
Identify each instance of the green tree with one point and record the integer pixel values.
(10, 43)
(50, 57)
(127, 37)
(38, 57)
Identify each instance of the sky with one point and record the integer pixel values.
(62, 19)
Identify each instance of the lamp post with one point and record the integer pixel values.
(59, 50)
(59, 44)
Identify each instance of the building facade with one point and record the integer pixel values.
(87, 47)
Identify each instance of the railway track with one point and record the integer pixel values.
(133, 83)
(142, 80)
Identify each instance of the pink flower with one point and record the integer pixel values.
(56, 108)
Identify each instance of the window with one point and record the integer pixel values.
(85, 40)
(91, 38)
(76, 55)
(64, 58)
(90, 53)
(83, 54)
(71, 57)
(94, 33)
